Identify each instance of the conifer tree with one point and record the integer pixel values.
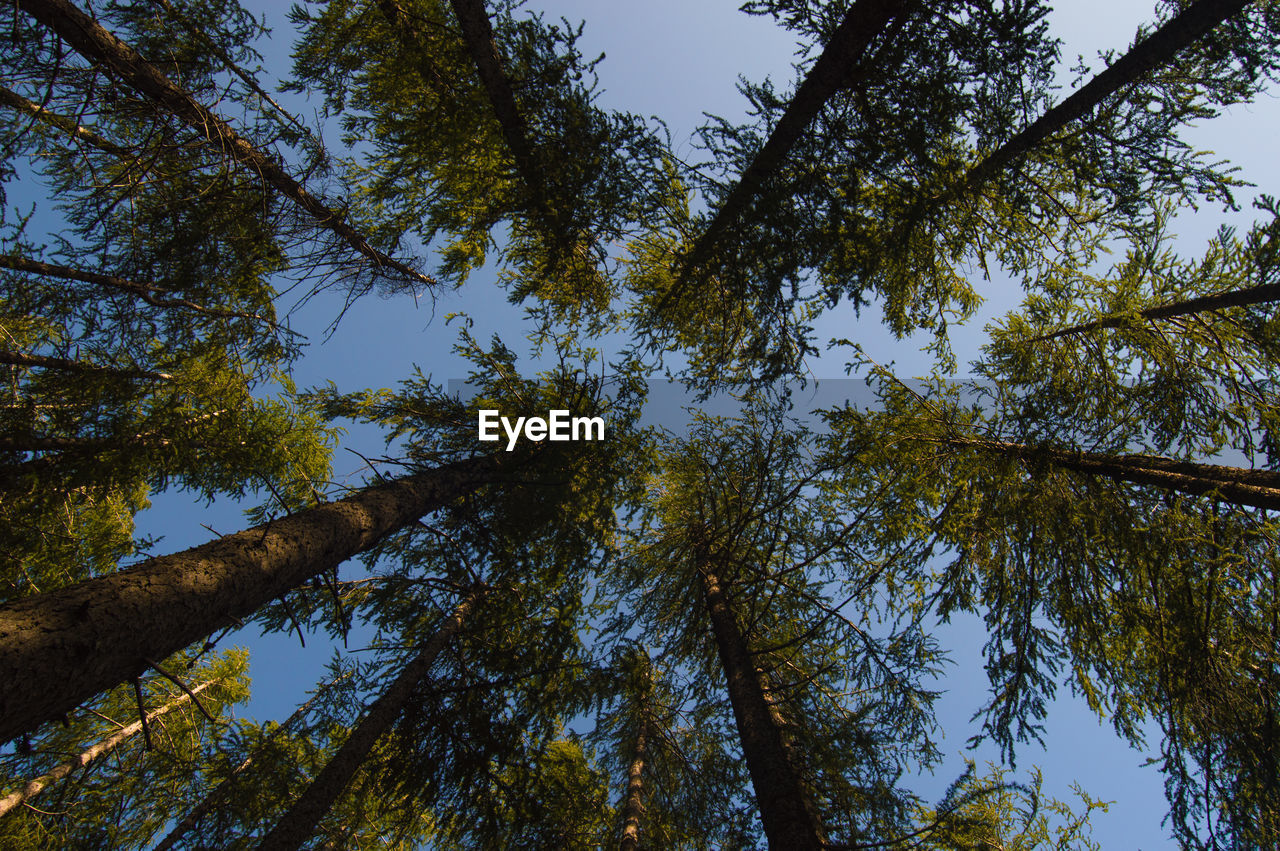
(52, 801)
(717, 638)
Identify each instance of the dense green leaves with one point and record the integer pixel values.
(713, 637)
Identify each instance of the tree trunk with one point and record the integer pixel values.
(219, 792)
(299, 823)
(633, 804)
(1261, 294)
(39, 784)
(1156, 49)
(786, 812)
(61, 648)
(863, 22)
(1236, 485)
(149, 293)
(68, 365)
(477, 32)
(109, 53)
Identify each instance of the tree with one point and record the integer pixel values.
(432, 87)
(143, 347)
(226, 787)
(721, 637)
(116, 622)
(104, 50)
(86, 801)
(300, 821)
(827, 709)
(1098, 566)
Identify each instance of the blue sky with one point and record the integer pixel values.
(675, 60)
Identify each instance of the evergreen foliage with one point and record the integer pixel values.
(720, 636)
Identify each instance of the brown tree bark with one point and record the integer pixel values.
(60, 648)
(299, 823)
(633, 803)
(1261, 294)
(1240, 486)
(39, 784)
(790, 823)
(109, 53)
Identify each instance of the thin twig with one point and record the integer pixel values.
(180, 684)
(142, 712)
(284, 601)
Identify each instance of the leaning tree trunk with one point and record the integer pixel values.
(153, 295)
(1155, 50)
(61, 648)
(863, 22)
(104, 50)
(477, 32)
(219, 793)
(39, 784)
(299, 823)
(1236, 485)
(790, 822)
(633, 804)
(1261, 294)
(11, 358)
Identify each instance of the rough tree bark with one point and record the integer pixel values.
(790, 824)
(119, 59)
(39, 784)
(299, 823)
(61, 648)
(633, 803)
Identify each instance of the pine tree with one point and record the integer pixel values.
(89, 801)
(718, 638)
(164, 604)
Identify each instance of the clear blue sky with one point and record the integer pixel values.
(675, 60)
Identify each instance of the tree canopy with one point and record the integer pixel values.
(698, 630)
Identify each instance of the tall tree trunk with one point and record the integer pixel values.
(1240, 486)
(785, 810)
(477, 32)
(61, 648)
(109, 53)
(220, 792)
(149, 293)
(633, 803)
(1156, 49)
(1261, 294)
(863, 22)
(299, 823)
(39, 784)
